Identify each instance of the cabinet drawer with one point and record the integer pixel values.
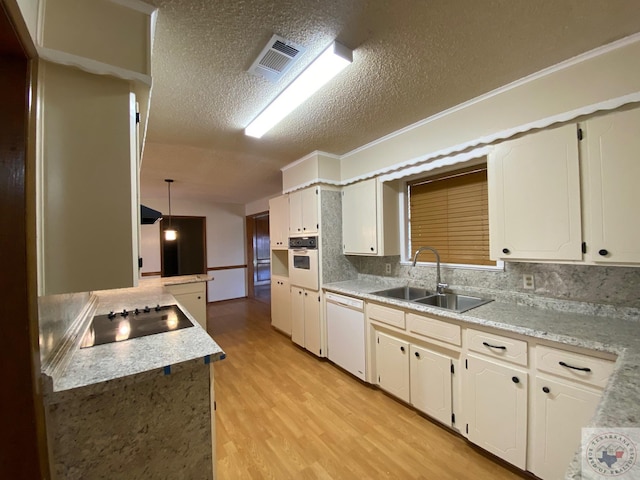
(576, 366)
(390, 316)
(182, 288)
(497, 346)
(432, 328)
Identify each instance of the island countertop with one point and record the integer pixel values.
(592, 327)
(73, 368)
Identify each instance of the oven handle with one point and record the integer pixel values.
(301, 250)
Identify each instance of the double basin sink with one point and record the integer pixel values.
(447, 301)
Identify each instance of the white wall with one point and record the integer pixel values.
(225, 242)
(258, 206)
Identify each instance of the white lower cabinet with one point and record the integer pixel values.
(192, 296)
(392, 361)
(568, 389)
(306, 319)
(495, 406)
(560, 410)
(430, 380)
(416, 375)
(281, 304)
(537, 430)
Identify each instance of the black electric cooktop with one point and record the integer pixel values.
(128, 324)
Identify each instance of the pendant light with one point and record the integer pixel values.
(170, 234)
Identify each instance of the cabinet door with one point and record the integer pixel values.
(430, 375)
(297, 315)
(192, 296)
(279, 222)
(312, 331)
(88, 236)
(613, 156)
(359, 218)
(295, 213)
(560, 411)
(534, 197)
(281, 304)
(392, 363)
(496, 408)
(310, 210)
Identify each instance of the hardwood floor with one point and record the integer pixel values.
(284, 414)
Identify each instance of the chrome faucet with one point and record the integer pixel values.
(439, 285)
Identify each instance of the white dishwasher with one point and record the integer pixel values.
(345, 333)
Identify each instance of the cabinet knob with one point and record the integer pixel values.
(402, 349)
(372, 249)
(545, 389)
(299, 293)
(199, 298)
(603, 252)
(506, 251)
(417, 354)
(305, 294)
(304, 228)
(515, 379)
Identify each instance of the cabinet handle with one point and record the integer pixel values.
(582, 369)
(515, 379)
(499, 347)
(402, 349)
(505, 250)
(417, 354)
(603, 252)
(545, 389)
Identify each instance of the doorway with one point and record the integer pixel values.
(259, 255)
(187, 254)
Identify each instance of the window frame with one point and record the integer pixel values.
(406, 256)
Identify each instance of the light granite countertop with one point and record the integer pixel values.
(177, 280)
(580, 325)
(89, 369)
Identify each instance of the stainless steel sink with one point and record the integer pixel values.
(452, 301)
(404, 293)
(447, 301)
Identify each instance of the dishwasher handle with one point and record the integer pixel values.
(348, 302)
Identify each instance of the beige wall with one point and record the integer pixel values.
(608, 76)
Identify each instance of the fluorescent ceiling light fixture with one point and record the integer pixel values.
(330, 62)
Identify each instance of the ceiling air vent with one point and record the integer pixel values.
(276, 58)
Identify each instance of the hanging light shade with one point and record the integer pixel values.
(170, 233)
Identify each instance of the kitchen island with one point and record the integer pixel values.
(134, 409)
(599, 328)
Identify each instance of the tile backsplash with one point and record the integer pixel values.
(617, 286)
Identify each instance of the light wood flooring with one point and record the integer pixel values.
(284, 414)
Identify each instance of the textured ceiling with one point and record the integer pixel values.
(412, 59)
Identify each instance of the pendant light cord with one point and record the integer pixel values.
(169, 182)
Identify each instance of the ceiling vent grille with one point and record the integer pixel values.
(276, 58)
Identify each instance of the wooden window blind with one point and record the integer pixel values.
(450, 213)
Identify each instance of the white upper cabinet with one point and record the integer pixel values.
(87, 167)
(612, 196)
(534, 197)
(370, 218)
(303, 212)
(279, 222)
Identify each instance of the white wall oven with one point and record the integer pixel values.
(303, 262)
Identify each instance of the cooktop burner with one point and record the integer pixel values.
(120, 326)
